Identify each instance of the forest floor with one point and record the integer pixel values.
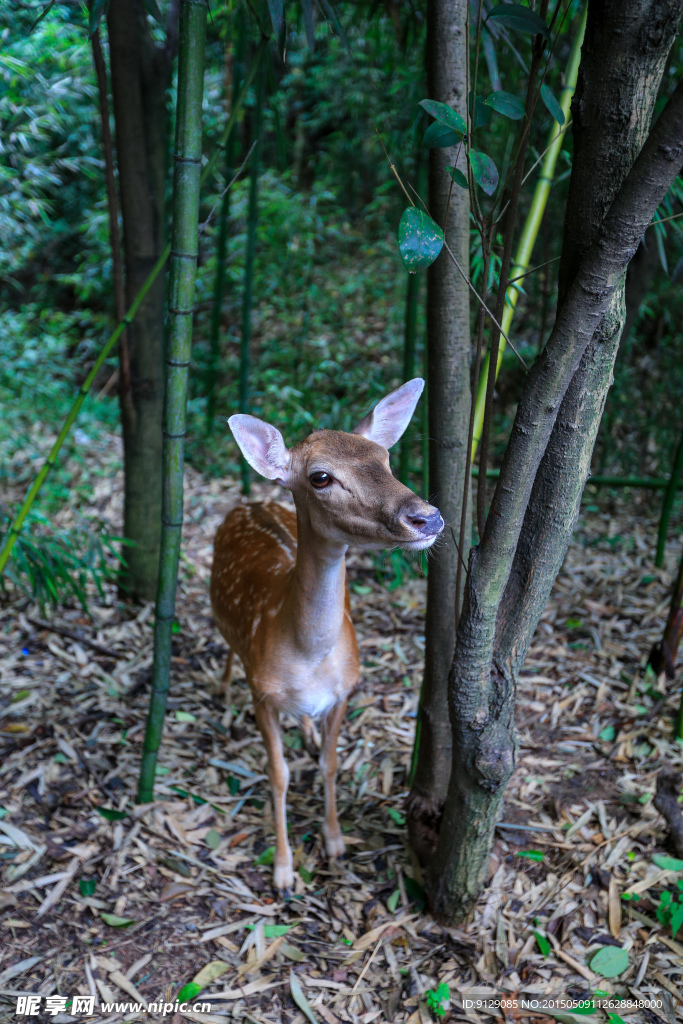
(129, 903)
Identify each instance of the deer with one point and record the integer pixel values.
(279, 591)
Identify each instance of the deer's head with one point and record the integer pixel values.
(342, 483)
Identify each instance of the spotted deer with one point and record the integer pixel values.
(278, 582)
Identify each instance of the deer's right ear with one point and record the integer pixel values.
(262, 446)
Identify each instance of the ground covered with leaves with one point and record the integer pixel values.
(131, 904)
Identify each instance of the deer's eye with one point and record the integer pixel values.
(320, 480)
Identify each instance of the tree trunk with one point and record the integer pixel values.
(548, 456)
(140, 76)
(448, 374)
(187, 171)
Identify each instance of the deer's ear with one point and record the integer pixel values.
(390, 417)
(262, 446)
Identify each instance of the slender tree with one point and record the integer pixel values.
(140, 71)
(620, 175)
(252, 220)
(235, 75)
(448, 377)
(186, 180)
(667, 504)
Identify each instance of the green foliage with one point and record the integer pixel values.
(609, 961)
(420, 239)
(436, 998)
(54, 567)
(670, 909)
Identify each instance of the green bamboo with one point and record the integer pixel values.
(252, 218)
(531, 226)
(667, 504)
(221, 248)
(18, 522)
(183, 268)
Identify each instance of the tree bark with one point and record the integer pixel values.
(140, 76)
(554, 429)
(623, 60)
(448, 373)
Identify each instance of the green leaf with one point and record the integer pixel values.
(212, 839)
(484, 170)
(87, 886)
(185, 716)
(480, 113)
(551, 103)
(274, 931)
(188, 992)
(667, 863)
(607, 734)
(458, 177)
(519, 18)
(414, 890)
(445, 115)
(111, 815)
(392, 902)
(507, 104)
(420, 240)
(277, 16)
(396, 816)
(116, 922)
(267, 857)
(609, 961)
(542, 943)
(300, 999)
(306, 875)
(176, 627)
(233, 785)
(614, 1018)
(440, 136)
(531, 854)
(676, 918)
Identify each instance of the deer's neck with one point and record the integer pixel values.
(317, 596)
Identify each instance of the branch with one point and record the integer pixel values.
(588, 297)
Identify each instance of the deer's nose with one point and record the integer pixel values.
(428, 523)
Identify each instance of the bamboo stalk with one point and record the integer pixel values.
(667, 504)
(19, 519)
(531, 226)
(183, 268)
(221, 248)
(252, 219)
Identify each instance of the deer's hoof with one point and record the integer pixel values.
(334, 843)
(283, 878)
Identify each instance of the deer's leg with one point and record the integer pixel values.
(226, 678)
(268, 723)
(334, 842)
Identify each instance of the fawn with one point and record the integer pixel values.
(278, 582)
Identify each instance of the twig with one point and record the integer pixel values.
(227, 187)
(533, 270)
(392, 166)
(61, 631)
(466, 278)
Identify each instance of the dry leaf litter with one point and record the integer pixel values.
(128, 903)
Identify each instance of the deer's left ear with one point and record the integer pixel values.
(390, 417)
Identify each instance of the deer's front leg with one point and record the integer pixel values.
(268, 723)
(334, 842)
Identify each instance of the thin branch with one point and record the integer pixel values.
(534, 269)
(227, 188)
(476, 293)
(392, 166)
